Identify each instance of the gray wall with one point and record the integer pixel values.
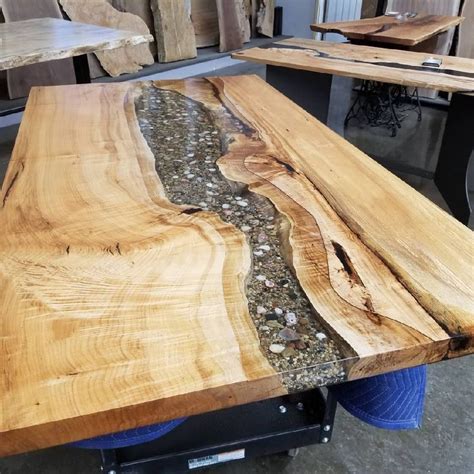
(297, 16)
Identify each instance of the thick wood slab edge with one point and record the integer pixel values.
(76, 39)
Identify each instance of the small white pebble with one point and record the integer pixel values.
(245, 228)
(261, 309)
(175, 177)
(291, 319)
(321, 336)
(258, 253)
(209, 185)
(278, 311)
(203, 204)
(238, 198)
(242, 203)
(269, 284)
(277, 348)
(261, 277)
(190, 176)
(190, 155)
(265, 248)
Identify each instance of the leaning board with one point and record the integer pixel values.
(135, 259)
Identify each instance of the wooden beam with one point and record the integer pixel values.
(230, 30)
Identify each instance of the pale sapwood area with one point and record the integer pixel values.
(119, 309)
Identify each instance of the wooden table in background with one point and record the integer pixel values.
(125, 301)
(388, 30)
(303, 70)
(47, 39)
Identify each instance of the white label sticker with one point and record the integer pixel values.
(216, 458)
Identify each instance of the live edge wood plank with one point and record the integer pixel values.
(120, 308)
(366, 62)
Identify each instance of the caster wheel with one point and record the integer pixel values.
(292, 453)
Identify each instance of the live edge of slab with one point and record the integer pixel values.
(178, 247)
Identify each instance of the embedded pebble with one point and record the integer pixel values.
(271, 316)
(278, 311)
(261, 309)
(245, 228)
(269, 283)
(277, 348)
(225, 206)
(275, 324)
(209, 185)
(261, 278)
(321, 336)
(288, 334)
(291, 319)
(258, 253)
(265, 248)
(242, 203)
(288, 352)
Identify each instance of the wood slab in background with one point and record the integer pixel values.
(230, 30)
(128, 59)
(20, 80)
(243, 13)
(205, 22)
(387, 29)
(140, 8)
(366, 62)
(438, 44)
(120, 308)
(174, 30)
(466, 31)
(265, 17)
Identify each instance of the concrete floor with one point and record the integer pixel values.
(444, 444)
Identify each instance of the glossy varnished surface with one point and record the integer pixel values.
(388, 29)
(46, 39)
(366, 62)
(131, 277)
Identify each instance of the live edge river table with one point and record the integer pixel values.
(303, 70)
(163, 244)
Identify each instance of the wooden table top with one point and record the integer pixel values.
(146, 252)
(388, 29)
(46, 39)
(366, 62)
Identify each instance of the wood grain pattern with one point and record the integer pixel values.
(127, 59)
(366, 62)
(20, 80)
(230, 31)
(48, 39)
(205, 22)
(110, 321)
(388, 29)
(174, 30)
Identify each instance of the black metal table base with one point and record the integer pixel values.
(271, 426)
(310, 90)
